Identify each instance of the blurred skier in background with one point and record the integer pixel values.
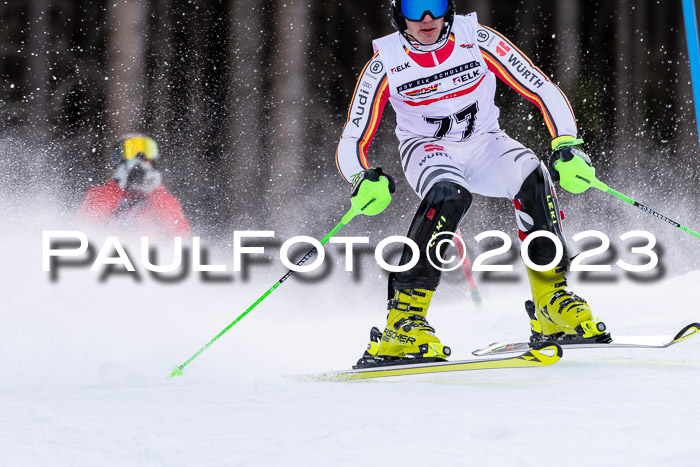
(439, 72)
(135, 197)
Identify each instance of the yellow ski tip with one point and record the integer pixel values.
(544, 353)
(686, 332)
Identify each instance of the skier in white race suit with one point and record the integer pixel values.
(439, 73)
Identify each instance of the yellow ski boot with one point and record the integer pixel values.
(557, 313)
(407, 338)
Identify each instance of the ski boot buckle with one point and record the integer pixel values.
(593, 327)
(434, 350)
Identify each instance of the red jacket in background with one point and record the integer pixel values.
(159, 211)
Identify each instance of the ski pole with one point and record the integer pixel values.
(346, 218)
(476, 297)
(580, 176)
(603, 187)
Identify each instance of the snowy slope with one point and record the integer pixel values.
(83, 369)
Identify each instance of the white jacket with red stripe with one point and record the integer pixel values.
(447, 94)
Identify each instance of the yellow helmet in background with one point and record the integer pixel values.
(134, 146)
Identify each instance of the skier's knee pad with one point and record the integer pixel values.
(440, 211)
(537, 208)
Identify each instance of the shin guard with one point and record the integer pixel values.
(537, 208)
(441, 210)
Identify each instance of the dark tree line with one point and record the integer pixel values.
(247, 98)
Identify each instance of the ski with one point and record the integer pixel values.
(543, 355)
(654, 342)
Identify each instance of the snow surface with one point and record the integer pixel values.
(83, 368)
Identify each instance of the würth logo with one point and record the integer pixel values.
(433, 147)
(502, 49)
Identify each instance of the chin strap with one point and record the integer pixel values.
(416, 46)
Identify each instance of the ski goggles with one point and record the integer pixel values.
(139, 146)
(415, 10)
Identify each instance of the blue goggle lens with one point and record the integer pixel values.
(415, 10)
